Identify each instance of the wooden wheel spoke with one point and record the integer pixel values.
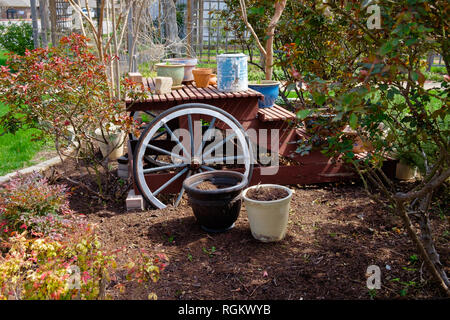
(222, 159)
(171, 166)
(174, 138)
(219, 144)
(167, 152)
(177, 202)
(169, 182)
(159, 135)
(207, 168)
(150, 114)
(191, 133)
(211, 125)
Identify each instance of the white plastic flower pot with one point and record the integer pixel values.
(114, 148)
(268, 219)
(405, 172)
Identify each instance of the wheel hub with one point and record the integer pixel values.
(195, 163)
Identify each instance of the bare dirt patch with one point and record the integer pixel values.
(334, 233)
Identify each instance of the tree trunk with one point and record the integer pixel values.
(170, 25)
(279, 8)
(34, 17)
(52, 7)
(268, 62)
(426, 235)
(43, 8)
(401, 210)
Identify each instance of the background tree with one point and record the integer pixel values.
(260, 18)
(267, 49)
(109, 44)
(382, 96)
(171, 26)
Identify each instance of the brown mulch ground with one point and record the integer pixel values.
(334, 233)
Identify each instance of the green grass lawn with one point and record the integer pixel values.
(17, 151)
(3, 57)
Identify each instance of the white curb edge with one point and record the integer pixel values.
(38, 167)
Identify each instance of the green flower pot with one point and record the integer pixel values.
(172, 70)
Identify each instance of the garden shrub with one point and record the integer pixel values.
(74, 267)
(43, 268)
(3, 57)
(317, 44)
(31, 203)
(16, 38)
(48, 252)
(440, 70)
(64, 92)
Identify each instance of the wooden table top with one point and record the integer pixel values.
(190, 92)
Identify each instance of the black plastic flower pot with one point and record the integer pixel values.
(216, 210)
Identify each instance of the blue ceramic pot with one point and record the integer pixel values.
(270, 90)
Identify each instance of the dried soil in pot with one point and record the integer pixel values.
(267, 194)
(208, 185)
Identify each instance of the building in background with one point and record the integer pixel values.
(15, 9)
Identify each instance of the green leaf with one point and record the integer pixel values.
(411, 41)
(353, 121)
(338, 117)
(386, 48)
(256, 11)
(302, 114)
(319, 99)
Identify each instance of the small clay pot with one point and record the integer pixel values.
(202, 76)
(213, 80)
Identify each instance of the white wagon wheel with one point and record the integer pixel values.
(163, 134)
(201, 155)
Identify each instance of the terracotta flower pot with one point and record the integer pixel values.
(202, 76)
(213, 80)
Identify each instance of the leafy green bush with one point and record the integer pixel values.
(17, 38)
(63, 258)
(408, 119)
(440, 70)
(75, 267)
